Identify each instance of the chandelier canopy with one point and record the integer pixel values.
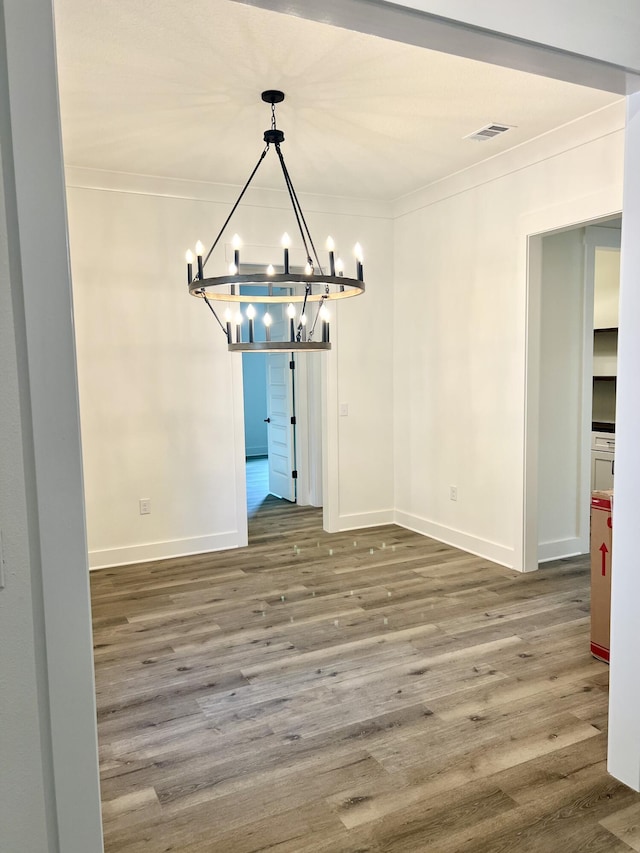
(280, 283)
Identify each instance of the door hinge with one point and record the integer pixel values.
(293, 420)
(292, 365)
(294, 474)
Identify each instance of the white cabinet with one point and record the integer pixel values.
(603, 445)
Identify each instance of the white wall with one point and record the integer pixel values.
(460, 336)
(562, 525)
(161, 402)
(49, 792)
(26, 812)
(624, 701)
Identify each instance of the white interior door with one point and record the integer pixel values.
(280, 433)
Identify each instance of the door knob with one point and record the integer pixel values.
(267, 420)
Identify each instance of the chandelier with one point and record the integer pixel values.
(305, 291)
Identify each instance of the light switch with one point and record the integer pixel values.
(344, 410)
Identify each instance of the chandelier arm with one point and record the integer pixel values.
(213, 311)
(233, 210)
(315, 322)
(292, 198)
(298, 207)
(307, 291)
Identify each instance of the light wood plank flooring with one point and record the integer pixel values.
(371, 691)
(257, 479)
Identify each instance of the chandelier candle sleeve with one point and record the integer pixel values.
(236, 242)
(189, 257)
(251, 313)
(238, 327)
(291, 313)
(332, 258)
(325, 316)
(227, 317)
(199, 251)
(286, 242)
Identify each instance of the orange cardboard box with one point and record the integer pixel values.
(601, 530)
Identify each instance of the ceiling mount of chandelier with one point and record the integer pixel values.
(311, 284)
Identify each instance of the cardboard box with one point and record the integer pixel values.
(601, 530)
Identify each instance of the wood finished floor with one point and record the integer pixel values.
(371, 691)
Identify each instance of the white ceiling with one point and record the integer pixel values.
(172, 88)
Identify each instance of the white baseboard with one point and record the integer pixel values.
(560, 549)
(111, 557)
(366, 519)
(472, 544)
(256, 450)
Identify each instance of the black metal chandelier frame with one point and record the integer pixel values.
(310, 286)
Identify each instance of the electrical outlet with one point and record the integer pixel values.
(145, 506)
(453, 493)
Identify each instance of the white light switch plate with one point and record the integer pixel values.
(344, 410)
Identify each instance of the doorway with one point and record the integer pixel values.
(569, 400)
(282, 427)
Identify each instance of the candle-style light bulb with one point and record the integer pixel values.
(267, 326)
(291, 313)
(189, 256)
(325, 314)
(251, 313)
(227, 318)
(236, 242)
(303, 323)
(189, 259)
(308, 269)
(233, 269)
(286, 242)
(339, 266)
(270, 270)
(199, 252)
(332, 258)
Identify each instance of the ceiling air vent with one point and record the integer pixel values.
(489, 132)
